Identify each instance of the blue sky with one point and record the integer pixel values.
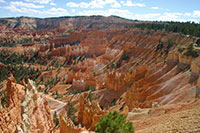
(165, 10)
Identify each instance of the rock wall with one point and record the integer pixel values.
(26, 110)
(36, 116)
(66, 125)
(10, 116)
(89, 113)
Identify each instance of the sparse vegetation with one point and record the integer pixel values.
(8, 57)
(46, 91)
(180, 50)
(170, 43)
(56, 95)
(92, 88)
(51, 82)
(191, 51)
(160, 45)
(2, 44)
(198, 42)
(90, 96)
(70, 112)
(125, 56)
(19, 72)
(55, 119)
(3, 98)
(94, 74)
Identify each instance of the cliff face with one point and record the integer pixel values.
(26, 110)
(89, 113)
(66, 125)
(165, 84)
(64, 22)
(36, 116)
(180, 58)
(10, 116)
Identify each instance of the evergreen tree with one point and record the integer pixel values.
(114, 123)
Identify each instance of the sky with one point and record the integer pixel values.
(160, 10)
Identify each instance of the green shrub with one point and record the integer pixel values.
(191, 52)
(55, 119)
(3, 98)
(170, 43)
(71, 113)
(198, 42)
(94, 74)
(125, 56)
(114, 123)
(90, 96)
(180, 50)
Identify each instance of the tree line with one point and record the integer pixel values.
(186, 28)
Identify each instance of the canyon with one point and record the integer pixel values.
(63, 74)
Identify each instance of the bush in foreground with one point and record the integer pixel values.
(114, 123)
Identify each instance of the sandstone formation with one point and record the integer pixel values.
(66, 125)
(89, 113)
(36, 116)
(10, 116)
(97, 64)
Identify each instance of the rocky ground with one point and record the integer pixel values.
(185, 120)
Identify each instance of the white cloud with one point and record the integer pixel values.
(131, 4)
(95, 4)
(148, 16)
(187, 14)
(31, 9)
(72, 4)
(84, 5)
(73, 10)
(116, 5)
(122, 2)
(52, 3)
(15, 9)
(170, 16)
(175, 17)
(23, 4)
(122, 13)
(55, 11)
(155, 8)
(196, 13)
(2, 1)
(39, 1)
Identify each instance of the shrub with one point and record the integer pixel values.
(94, 74)
(191, 52)
(3, 74)
(90, 96)
(125, 56)
(159, 46)
(180, 50)
(3, 98)
(46, 91)
(70, 112)
(114, 123)
(118, 64)
(55, 119)
(170, 43)
(198, 42)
